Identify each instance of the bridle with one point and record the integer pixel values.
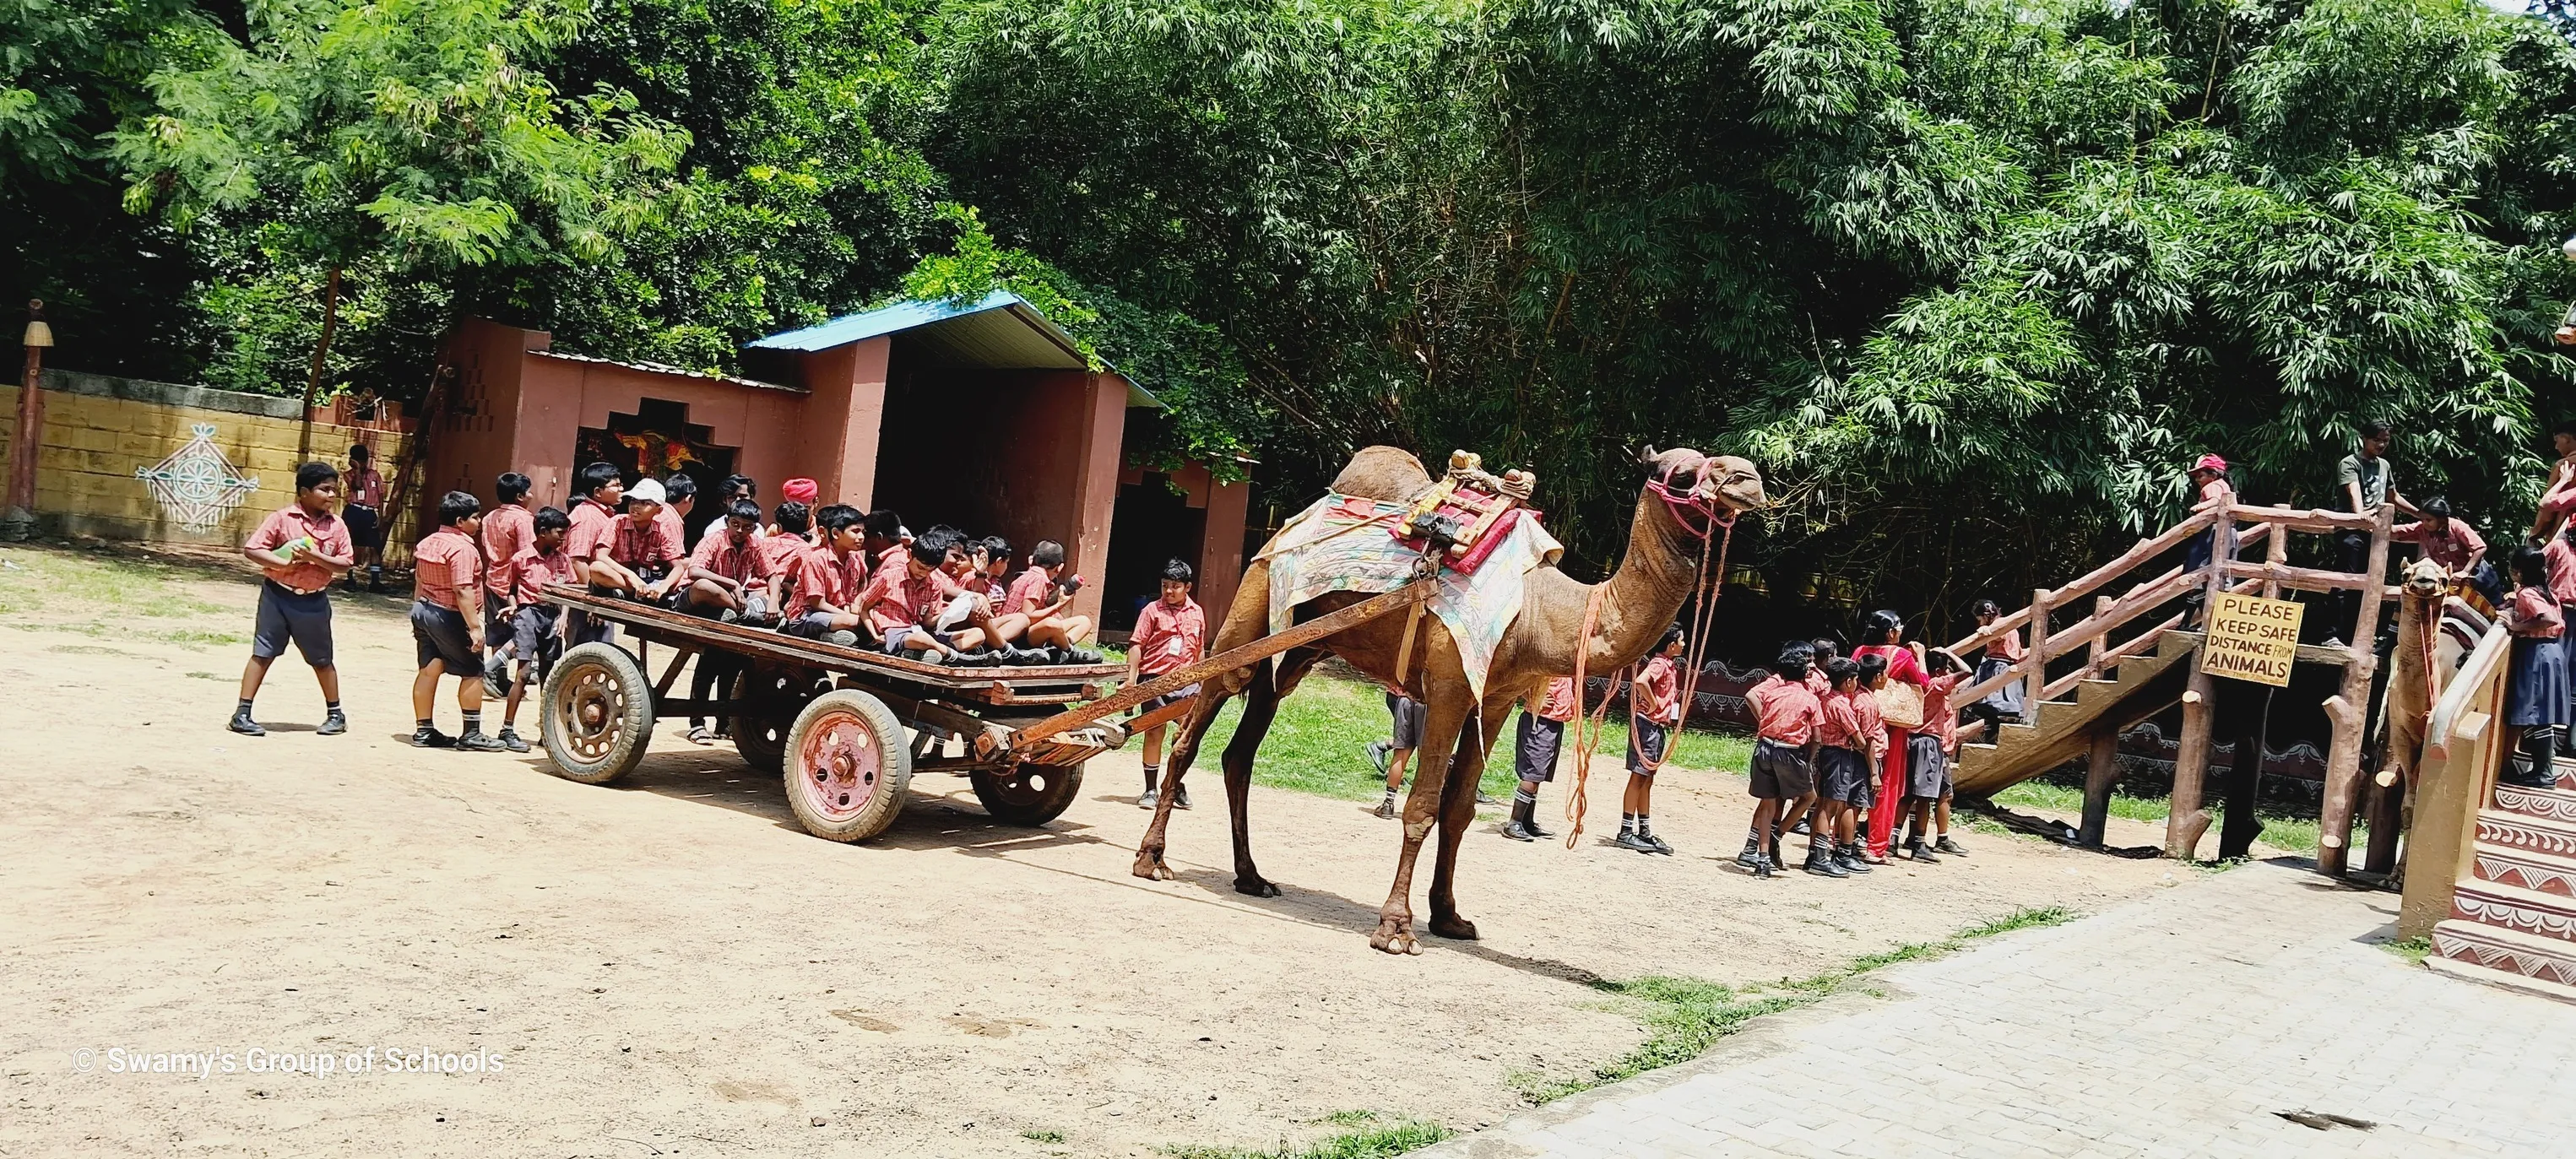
(1699, 515)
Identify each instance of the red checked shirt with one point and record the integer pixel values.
(1658, 693)
(507, 531)
(1785, 712)
(1938, 718)
(593, 527)
(1559, 703)
(782, 557)
(823, 577)
(643, 544)
(894, 599)
(2560, 557)
(444, 564)
(1870, 722)
(739, 562)
(2450, 547)
(1167, 637)
(1032, 590)
(2534, 615)
(367, 488)
(292, 522)
(531, 570)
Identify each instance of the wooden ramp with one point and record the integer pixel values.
(2062, 730)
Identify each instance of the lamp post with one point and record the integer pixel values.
(20, 522)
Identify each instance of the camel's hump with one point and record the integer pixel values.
(1390, 474)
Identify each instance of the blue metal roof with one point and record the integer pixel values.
(1000, 332)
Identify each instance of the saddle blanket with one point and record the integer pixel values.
(1340, 544)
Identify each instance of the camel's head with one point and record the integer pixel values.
(1721, 483)
(2426, 580)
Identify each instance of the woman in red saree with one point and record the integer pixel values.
(1904, 665)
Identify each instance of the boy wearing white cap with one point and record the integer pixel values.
(640, 542)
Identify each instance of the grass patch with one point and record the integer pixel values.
(105, 595)
(203, 676)
(1684, 1017)
(1043, 1136)
(1375, 1139)
(1318, 744)
(2414, 950)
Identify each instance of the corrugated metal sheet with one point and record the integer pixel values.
(1001, 332)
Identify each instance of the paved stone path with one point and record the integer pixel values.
(2173, 1026)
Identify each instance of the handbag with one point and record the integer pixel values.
(1900, 705)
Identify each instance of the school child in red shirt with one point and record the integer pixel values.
(642, 544)
(534, 622)
(507, 528)
(832, 582)
(900, 603)
(679, 497)
(594, 526)
(1655, 699)
(1044, 594)
(1788, 720)
(782, 551)
(298, 548)
(1872, 735)
(1170, 633)
(1842, 769)
(447, 624)
(1542, 735)
(365, 517)
(1927, 779)
(886, 542)
(2536, 703)
(727, 580)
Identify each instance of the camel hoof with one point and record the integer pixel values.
(1255, 887)
(1395, 939)
(1454, 928)
(1150, 867)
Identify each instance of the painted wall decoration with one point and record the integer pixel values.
(197, 485)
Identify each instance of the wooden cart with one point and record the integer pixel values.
(832, 721)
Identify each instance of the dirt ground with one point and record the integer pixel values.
(670, 966)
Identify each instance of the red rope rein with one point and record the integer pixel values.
(1716, 529)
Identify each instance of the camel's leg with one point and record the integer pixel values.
(1441, 725)
(1457, 812)
(1149, 856)
(1260, 707)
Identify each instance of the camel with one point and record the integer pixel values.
(2431, 626)
(1637, 602)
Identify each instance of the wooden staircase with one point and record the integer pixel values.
(2057, 731)
(2513, 918)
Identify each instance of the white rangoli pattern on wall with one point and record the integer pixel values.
(196, 484)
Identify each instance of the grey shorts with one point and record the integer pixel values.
(1409, 715)
(532, 628)
(439, 634)
(1844, 776)
(1927, 768)
(1534, 751)
(1184, 692)
(896, 636)
(285, 616)
(1645, 747)
(1781, 773)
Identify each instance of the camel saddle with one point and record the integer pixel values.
(1465, 513)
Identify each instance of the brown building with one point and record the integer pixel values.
(983, 416)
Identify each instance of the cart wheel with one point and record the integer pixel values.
(846, 768)
(762, 741)
(598, 714)
(1028, 794)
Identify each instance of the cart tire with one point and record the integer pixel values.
(762, 741)
(598, 714)
(1029, 795)
(848, 765)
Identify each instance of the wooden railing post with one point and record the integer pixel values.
(2034, 673)
(2186, 822)
(2348, 709)
(2101, 772)
(2276, 553)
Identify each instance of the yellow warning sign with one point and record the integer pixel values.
(2252, 638)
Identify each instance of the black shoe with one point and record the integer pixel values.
(333, 724)
(1914, 851)
(1485, 798)
(496, 676)
(979, 658)
(1148, 801)
(243, 724)
(430, 738)
(509, 739)
(1821, 865)
(1081, 656)
(1850, 859)
(842, 639)
(1752, 854)
(1181, 797)
(1660, 845)
(475, 742)
(1628, 839)
(1774, 851)
(1945, 845)
(1024, 657)
(1386, 808)
(1378, 751)
(1761, 865)
(1800, 828)
(1530, 826)
(1518, 832)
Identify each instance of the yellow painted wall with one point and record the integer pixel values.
(92, 445)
